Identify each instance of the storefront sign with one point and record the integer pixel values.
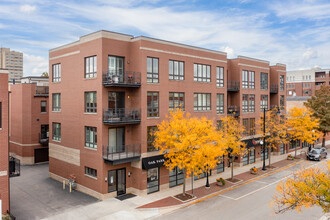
(153, 162)
(255, 142)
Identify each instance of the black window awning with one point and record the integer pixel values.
(252, 142)
(153, 162)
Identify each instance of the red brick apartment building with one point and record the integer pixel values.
(4, 155)
(109, 91)
(29, 113)
(305, 82)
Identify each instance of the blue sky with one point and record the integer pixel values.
(296, 33)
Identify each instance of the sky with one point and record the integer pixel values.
(292, 32)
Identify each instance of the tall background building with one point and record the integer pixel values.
(13, 61)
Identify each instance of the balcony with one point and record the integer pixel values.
(42, 91)
(123, 154)
(43, 139)
(273, 88)
(116, 116)
(233, 86)
(233, 110)
(122, 79)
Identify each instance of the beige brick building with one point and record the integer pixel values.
(13, 61)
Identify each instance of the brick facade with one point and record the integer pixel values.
(69, 154)
(4, 163)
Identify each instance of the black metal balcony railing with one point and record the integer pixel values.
(121, 116)
(233, 86)
(122, 78)
(43, 139)
(42, 91)
(273, 88)
(233, 110)
(122, 154)
(14, 167)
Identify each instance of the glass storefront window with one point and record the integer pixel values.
(153, 180)
(252, 157)
(176, 177)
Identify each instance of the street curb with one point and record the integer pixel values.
(176, 207)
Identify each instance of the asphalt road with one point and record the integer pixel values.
(251, 201)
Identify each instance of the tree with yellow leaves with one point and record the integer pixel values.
(307, 188)
(232, 134)
(302, 126)
(184, 140)
(275, 130)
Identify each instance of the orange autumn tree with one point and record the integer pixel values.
(307, 188)
(275, 130)
(207, 156)
(232, 134)
(180, 137)
(302, 126)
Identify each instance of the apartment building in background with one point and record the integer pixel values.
(29, 115)
(110, 90)
(305, 82)
(13, 61)
(4, 155)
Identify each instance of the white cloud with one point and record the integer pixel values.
(230, 51)
(27, 8)
(34, 65)
(310, 53)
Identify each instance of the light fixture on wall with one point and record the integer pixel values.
(129, 174)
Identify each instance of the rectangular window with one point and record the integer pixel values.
(281, 82)
(282, 148)
(251, 103)
(176, 177)
(252, 157)
(245, 104)
(251, 80)
(202, 101)
(43, 105)
(56, 131)
(245, 159)
(202, 73)
(176, 70)
(282, 102)
(91, 137)
(246, 126)
(150, 138)
(176, 100)
(56, 76)
(219, 125)
(220, 76)
(56, 102)
(245, 79)
(252, 126)
(264, 81)
(153, 104)
(152, 70)
(153, 180)
(90, 67)
(90, 172)
(220, 103)
(263, 102)
(90, 102)
(116, 69)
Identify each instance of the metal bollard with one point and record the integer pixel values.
(70, 187)
(63, 184)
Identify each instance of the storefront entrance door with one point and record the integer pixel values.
(117, 181)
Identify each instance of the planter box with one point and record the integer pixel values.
(290, 158)
(253, 172)
(219, 184)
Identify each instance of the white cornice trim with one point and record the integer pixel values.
(283, 71)
(260, 67)
(24, 145)
(181, 54)
(65, 55)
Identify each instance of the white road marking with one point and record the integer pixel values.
(250, 193)
(258, 181)
(227, 197)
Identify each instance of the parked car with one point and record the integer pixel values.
(317, 154)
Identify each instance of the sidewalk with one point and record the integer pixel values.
(152, 205)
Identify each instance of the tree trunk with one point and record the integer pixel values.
(323, 139)
(184, 182)
(295, 150)
(232, 169)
